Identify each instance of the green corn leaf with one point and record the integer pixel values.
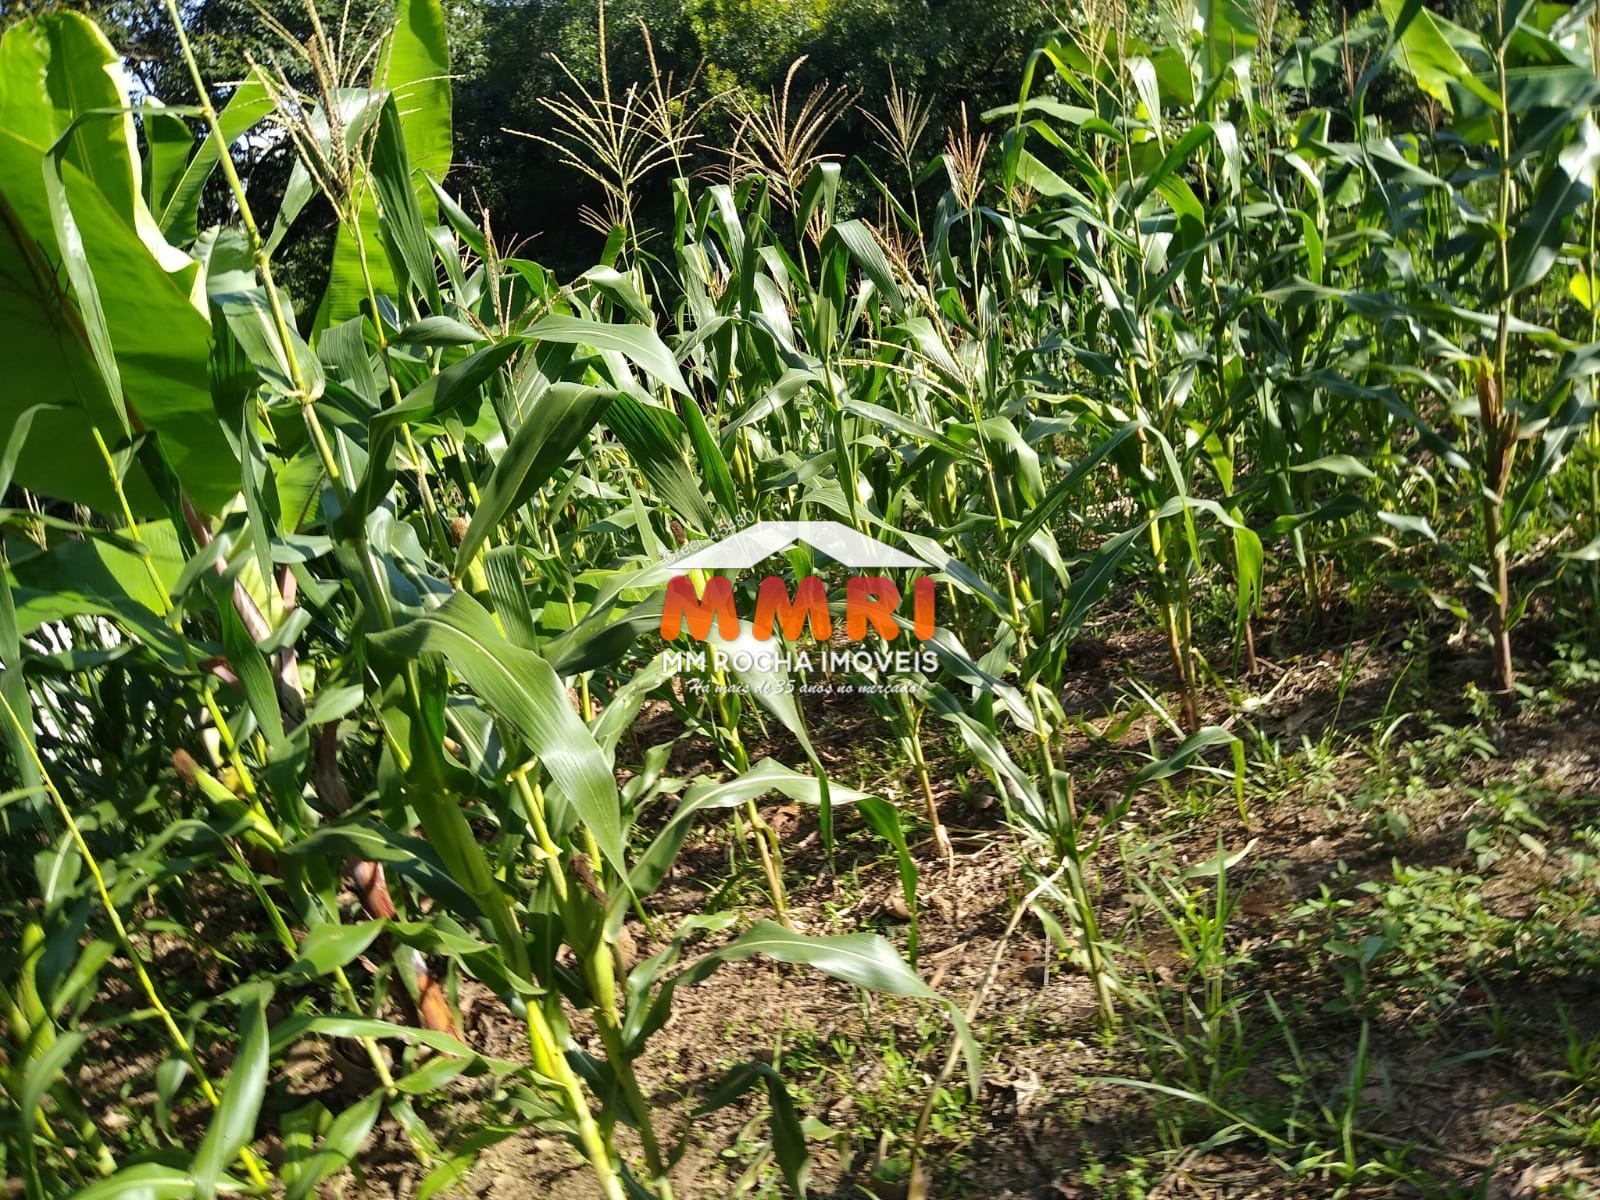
(14, 690)
(43, 1073)
(1062, 492)
(343, 351)
(436, 331)
(659, 446)
(638, 343)
(788, 1134)
(431, 1077)
(255, 674)
(719, 482)
(413, 858)
(863, 959)
(143, 1181)
(773, 688)
(1249, 564)
(1210, 735)
(1091, 584)
(862, 246)
(503, 566)
(400, 220)
(457, 385)
(1346, 466)
(411, 144)
(349, 1025)
(917, 432)
(347, 1134)
(1408, 523)
(522, 688)
(818, 197)
(250, 320)
(1567, 186)
(1175, 161)
(765, 777)
(178, 212)
(885, 821)
(243, 1091)
(170, 1076)
(333, 944)
(57, 870)
(983, 743)
(560, 418)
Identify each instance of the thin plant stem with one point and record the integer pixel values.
(166, 611)
(253, 1165)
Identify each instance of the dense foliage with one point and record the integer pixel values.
(353, 607)
(510, 59)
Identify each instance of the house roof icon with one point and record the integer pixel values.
(766, 538)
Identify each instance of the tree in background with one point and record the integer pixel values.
(952, 52)
(510, 57)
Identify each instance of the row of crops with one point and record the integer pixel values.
(338, 622)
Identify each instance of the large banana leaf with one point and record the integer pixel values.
(120, 324)
(105, 576)
(1434, 51)
(48, 362)
(54, 70)
(415, 70)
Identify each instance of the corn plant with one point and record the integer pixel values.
(338, 621)
(1484, 206)
(310, 543)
